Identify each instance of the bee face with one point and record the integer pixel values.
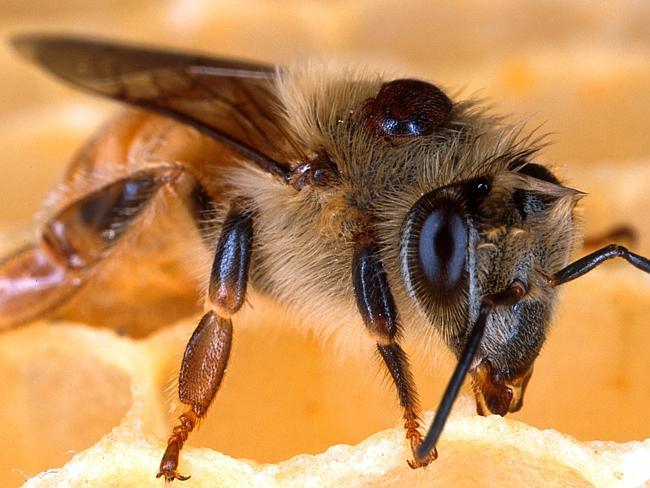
(469, 239)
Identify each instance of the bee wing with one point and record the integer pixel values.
(231, 101)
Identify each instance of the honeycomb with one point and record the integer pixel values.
(84, 405)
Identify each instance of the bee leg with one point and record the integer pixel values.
(206, 355)
(397, 362)
(590, 261)
(509, 296)
(377, 307)
(41, 276)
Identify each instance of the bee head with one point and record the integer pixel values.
(471, 239)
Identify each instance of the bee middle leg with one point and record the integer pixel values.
(206, 355)
(377, 307)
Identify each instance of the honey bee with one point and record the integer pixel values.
(342, 196)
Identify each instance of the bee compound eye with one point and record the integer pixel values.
(407, 108)
(441, 249)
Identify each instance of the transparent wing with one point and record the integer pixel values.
(231, 101)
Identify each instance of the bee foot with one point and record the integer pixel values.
(414, 436)
(172, 475)
(169, 461)
(415, 463)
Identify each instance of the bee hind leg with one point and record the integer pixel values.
(206, 355)
(377, 307)
(38, 278)
(33, 281)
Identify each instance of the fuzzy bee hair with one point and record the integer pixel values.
(380, 181)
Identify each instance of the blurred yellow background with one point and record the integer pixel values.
(580, 69)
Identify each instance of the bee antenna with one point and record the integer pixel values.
(509, 296)
(589, 262)
(454, 385)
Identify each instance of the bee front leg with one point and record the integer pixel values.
(206, 355)
(377, 308)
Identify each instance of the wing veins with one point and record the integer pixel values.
(175, 84)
